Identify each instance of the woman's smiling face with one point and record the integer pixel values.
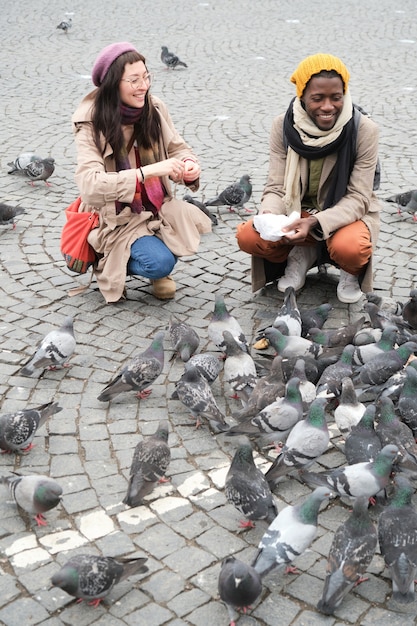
(323, 100)
(133, 94)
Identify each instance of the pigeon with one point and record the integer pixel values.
(390, 429)
(363, 354)
(407, 400)
(307, 388)
(195, 393)
(307, 441)
(330, 381)
(381, 319)
(65, 25)
(337, 337)
(289, 346)
(19, 165)
(150, 462)
(290, 534)
(406, 201)
(170, 59)
(397, 534)
(90, 577)
(349, 410)
(381, 367)
(202, 207)
(54, 350)
(289, 314)
(239, 586)
(351, 552)
(360, 479)
(35, 494)
(233, 196)
(366, 335)
(139, 372)
(239, 370)
(362, 443)
(222, 320)
(314, 317)
(208, 365)
(385, 303)
(267, 389)
(276, 420)
(18, 429)
(40, 169)
(184, 339)
(8, 213)
(247, 489)
(409, 312)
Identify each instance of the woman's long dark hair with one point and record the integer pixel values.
(106, 115)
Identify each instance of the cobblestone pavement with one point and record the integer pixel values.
(240, 56)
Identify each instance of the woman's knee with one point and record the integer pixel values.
(151, 258)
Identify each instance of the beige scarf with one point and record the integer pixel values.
(310, 135)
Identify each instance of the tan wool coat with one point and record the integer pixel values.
(178, 224)
(359, 202)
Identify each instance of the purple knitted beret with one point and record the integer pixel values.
(106, 57)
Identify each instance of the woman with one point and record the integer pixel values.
(127, 152)
(323, 158)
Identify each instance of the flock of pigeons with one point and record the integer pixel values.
(362, 376)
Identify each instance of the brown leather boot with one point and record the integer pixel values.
(164, 288)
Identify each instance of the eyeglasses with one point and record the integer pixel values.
(138, 80)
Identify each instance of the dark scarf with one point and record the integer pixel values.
(344, 145)
(149, 195)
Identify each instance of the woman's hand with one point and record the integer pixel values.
(301, 228)
(174, 168)
(192, 171)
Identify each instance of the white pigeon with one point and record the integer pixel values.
(349, 410)
(54, 350)
(222, 320)
(239, 370)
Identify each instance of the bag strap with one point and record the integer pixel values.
(75, 291)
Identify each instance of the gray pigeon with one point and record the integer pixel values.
(222, 320)
(330, 381)
(40, 169)
(266, 390)
(65, 25)
(409, 312)
(351, 552)
(150, 462)
(407, 399)
(363, 354)
(18, 429)
(307, 441)
(290, 346)
(405, 201)
(139, 372)
(202, 207)
(184, 339)
(208, 365)
(89, 577)
(390, 429)
(8, 213)
(54, 350)
(195, 393)
(360, 479)
(247, 489)
(276, 420)
(239, 586)
(362, 443)
(239, 370)
(170, 59)
(349, 410)
(19, 165)
(35, 494)
(331, 338)
(397, 534)
(289, 314)
(233, 196)
(314, 317)
(381, 367)
(290, 534)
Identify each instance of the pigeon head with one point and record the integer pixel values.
(67, 579)
(47, 496)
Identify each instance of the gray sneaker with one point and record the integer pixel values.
(299, 261)
(348, 290)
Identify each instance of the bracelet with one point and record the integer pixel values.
(141, 173)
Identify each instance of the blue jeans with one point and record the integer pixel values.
(150, 257)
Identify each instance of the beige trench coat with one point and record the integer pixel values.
(359, 202)
(179, 224)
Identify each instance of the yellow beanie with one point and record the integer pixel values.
(314, 64)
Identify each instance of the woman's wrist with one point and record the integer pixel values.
(140, 174)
